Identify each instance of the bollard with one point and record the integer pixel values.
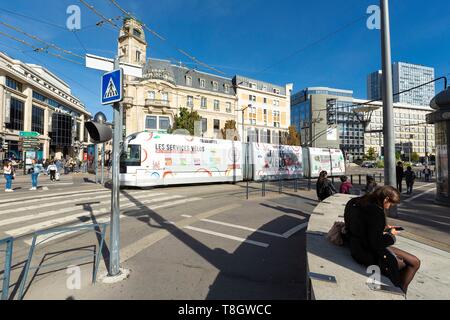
(263, 187)
(309, 184)
(295, 185)
(351, 179)
(360, 181)
(280, 185)
(381, 178)
(332, 179)
(247, 189)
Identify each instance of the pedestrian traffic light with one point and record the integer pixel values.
(98, 132)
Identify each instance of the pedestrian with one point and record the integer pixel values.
(371, 185)
(371, 240)
(400, 173)
(8, 172)
(346, 186)
(410, 178)
(427, 174)
(36, 168)
(324, 187)
(52, 168)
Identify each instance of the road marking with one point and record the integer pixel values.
(425, 185)
(186, 216)
(51, 223)
(54, 204)
(56, 212)
(243, 228)
(137, 247)
(294, 230)
(226, 236)
(420, 195)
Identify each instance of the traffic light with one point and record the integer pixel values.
(98, 132)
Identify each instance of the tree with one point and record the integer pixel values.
(230, 126)
(398, 155)
(371, 155)
(415, 157)
(186, 120)
(293, 138)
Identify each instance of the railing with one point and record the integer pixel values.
(8, 243)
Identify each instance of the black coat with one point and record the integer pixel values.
(368, 242)
(325, 189)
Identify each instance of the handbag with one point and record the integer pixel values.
(337, 233)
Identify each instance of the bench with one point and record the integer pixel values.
(332, 272)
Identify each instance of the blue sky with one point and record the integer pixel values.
(242, 37)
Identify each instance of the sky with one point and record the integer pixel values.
(307, 43)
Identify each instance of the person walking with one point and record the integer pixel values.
(371, 240)
(8, 172)
(427, 174)
(52, 169)
(400, 173)
(324, 187)
(410, 178)
(37, 168)
(346, 186)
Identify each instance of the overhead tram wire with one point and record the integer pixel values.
(40, 40)
(90, 7)
(36, 49)
(156, 34)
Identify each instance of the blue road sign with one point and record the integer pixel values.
(112, 87)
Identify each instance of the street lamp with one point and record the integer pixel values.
(243, 110)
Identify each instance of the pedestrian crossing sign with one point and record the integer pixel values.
(112, 87)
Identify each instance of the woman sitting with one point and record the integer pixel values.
(324, 187)
(371, 240)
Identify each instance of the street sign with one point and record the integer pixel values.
(29, 134)
(105, 64)
(112, 87)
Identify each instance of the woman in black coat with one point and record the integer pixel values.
(324, 187)
(371, 240)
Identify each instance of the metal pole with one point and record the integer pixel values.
(426, 146)
(388, 103)
(96, 162)
(114, 269)
(103, 164)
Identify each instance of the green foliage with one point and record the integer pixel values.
(371, 155)
(185, 120)
(398, 155)
(380, 164)
(415, 157)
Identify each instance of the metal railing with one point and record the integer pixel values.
(98, 228)
(8, 243)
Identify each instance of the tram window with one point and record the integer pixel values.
(132, 157)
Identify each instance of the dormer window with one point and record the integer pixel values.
(215, 86)
(136, 33)
(202, 83)
(226, 88)
(189, 81)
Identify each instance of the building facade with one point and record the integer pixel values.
(324, 118)
(34, 99)
(154, 100)
(405, 76)
(412, 133)
(263, 110)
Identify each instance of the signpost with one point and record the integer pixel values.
(112, 93)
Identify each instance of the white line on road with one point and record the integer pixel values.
(294, 230)
(420, 195)
(243, 228)
(186, 216)
(425, 185)
(226, 236)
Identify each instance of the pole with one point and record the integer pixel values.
(426, 146)
(388, 103)
(103, 164)
(115, 193)
(96, 162)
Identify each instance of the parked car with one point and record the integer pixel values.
(369, 165)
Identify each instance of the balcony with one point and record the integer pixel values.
(157, 103)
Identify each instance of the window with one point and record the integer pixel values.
(276, 103)
(268, 136)
(277, 91)
(202, 83)
(61, 130)
(204, 125)
(204, 103)
(189, 81)
(164, 123)
(151, 95)
(136, 33)
(265, 100)
(164, 96)
(265, 117)
(253, 85)
(228, 108)
(276, 119)
(215, 86)
(37, 120)
(226, 88)
(190, 101)
(138, 56)
(13, 84)
(252, 98)
(16, 115)
(151, 123)
(216, 105)
(216, 125)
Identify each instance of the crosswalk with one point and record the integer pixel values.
(21, 215)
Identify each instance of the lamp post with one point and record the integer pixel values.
(100, 118)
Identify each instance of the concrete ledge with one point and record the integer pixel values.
(327, 260)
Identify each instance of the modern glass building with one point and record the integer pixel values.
(405, 76)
